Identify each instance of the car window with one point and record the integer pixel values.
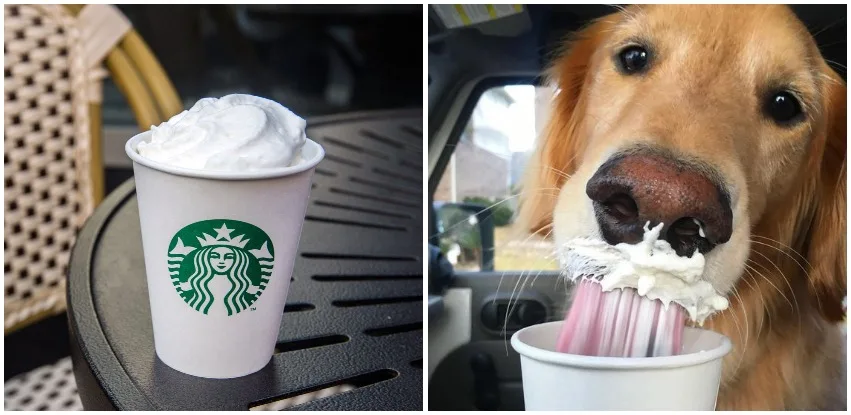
(486, 170)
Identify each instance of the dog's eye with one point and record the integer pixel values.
(783, 107)
(633, 59)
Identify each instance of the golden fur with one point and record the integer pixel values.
(784, 267)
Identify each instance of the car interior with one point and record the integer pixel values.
(483, 81)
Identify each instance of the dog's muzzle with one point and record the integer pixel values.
(635, 188)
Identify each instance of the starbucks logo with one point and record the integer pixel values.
(220, 266)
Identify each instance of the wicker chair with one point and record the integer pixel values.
(54, 67)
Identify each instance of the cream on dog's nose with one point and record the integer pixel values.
(634, 188)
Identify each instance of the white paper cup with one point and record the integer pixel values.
(219, 250)
(559, 381)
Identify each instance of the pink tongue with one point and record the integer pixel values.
(620, 323)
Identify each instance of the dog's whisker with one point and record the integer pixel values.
(499, 285)
(505, 323)
(829, 26)
(835, 62)
(516, 299)
(710, 325)
(560, 173)
(550, 259)
(797, 308)
(620, 8)
(764, 315)
(522, 287)
(519, 244)
(549, 168)
(784, 246)
(496, 247)
(794, 307)
(769, 282)
(493, 206)
(533, 234)
(508, 312)
(524, 280)
(747, 329)
(756, 272)
(818, 297)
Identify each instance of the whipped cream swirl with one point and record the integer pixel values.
(651, 266)
(235, 133)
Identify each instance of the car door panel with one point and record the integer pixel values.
(484, 373)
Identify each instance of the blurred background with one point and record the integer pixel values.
(80, 81)
(315, 60)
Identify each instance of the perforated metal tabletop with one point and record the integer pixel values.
(354, 315)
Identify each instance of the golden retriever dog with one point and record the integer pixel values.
(725, 124)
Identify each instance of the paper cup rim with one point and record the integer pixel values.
(624, 363)
(132, 143)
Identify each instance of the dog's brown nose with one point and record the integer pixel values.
(631, 190)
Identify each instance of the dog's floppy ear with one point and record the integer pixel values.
(556, 153)
(826, 250)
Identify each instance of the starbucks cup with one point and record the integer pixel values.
(559, 381)
(219, 250)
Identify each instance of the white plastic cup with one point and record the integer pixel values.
(556, 381)
(219, 251)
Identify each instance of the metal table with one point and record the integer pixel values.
(354, 313)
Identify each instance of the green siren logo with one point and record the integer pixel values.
(220, 266)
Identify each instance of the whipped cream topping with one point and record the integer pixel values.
(233, 133)
(651, 266)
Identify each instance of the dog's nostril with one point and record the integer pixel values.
(686, 235)
(622, 207)
(687, 227)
